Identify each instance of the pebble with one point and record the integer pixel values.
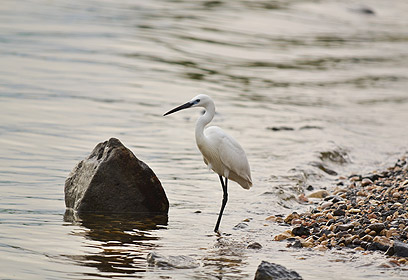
(318, 194)
(378, 227)
(282, 236)
(366, 182)
(296, 222)
(345, 227)
(290, 217)
(300, 231)
(396, 195)
(326, 204)
(339, 212)
(255, 246)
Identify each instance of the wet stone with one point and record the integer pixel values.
(318, 194)
(300, 231)
(273, 271)
(377, 227)
(290, 217)
(241, 225)
(399, 249)
(255, 246)
(113, 180)
(296, 244)
(339, 212)
(334, 198)
(375, 246)
(345, 227)
(366, 182)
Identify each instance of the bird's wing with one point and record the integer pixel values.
(233, 156)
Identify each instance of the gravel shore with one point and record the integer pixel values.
(364, 212)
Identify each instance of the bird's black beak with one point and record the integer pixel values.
(181, 107)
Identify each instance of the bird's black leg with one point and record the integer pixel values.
(224, 201)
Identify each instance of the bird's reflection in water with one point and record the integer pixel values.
(118, 243)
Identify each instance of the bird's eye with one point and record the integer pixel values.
(196, 101)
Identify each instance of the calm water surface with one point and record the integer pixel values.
(75, 73)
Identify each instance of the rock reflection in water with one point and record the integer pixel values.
(122, 241)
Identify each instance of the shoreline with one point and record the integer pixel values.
(363, 213)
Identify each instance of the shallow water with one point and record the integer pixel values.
(77, 73)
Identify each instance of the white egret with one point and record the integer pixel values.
(221, 153)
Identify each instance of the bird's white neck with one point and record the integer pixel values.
(202, 122)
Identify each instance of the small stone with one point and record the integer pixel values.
(367, 238)
(303, 198)
(307, 244)
(366, 182)
(326, 204)
(354, 210)
(282, 236)
(334, 198)
(296, 244)
(296, 222)
(241, 225)
(372, 233)
(318, 194)
(321, 248)
(339, 191)
(292, 216)
(345, 227)
(391, 232)
(255, 246)
(339, 212)
(396, 195)
(310, 188)
(377, 227)
(359, 249)
(372, 216)
(300, 231)
(402, 261)
(355, 178)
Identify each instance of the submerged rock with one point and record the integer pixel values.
(255, 246)
(179, 262)
(273, 271)
(113, 180)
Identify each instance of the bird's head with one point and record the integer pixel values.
(200, 100)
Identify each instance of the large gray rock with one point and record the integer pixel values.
(112, 180)
(273, 271)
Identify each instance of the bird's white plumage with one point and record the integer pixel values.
(220, 151)
(226, 156)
